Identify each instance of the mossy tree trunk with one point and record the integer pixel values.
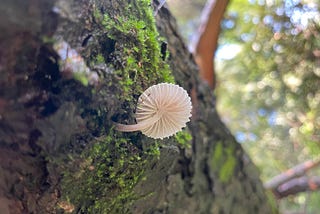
(68, 70)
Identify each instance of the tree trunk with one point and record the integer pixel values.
(69, 70)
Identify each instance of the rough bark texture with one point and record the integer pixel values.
(59, 152)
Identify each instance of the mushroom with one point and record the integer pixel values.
(162, 110)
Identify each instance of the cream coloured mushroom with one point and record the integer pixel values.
(162, 110)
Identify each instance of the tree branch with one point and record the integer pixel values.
(297, 185)
(294, 180)
(294, 172)
(206, 41)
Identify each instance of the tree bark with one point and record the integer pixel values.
(69, 70)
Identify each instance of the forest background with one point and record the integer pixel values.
(268, 81)
(268, 77)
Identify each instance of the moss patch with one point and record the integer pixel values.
(227, 168)
(107, 173)
(223, 162)
(183, 139)
(136, 54)
(109, 167)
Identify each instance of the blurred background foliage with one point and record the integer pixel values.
(268, 87)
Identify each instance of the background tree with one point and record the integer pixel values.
(71, 68)
(277, 71)
(268, 82)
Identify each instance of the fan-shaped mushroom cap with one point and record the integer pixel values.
(162, 110)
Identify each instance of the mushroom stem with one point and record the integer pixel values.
(127, 128)
(139, 126)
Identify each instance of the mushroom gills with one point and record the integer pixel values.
(162, 110)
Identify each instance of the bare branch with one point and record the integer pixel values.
(294, 172)
(206, 41)
(297, 185)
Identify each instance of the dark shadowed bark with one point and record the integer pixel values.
(68, 70)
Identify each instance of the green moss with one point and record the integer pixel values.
(109, 168)
(97, 15)
(223, 162)
(153, 150)
(218, 153)
(227, 169)
(106, 176)
(100, 59)
(183, 138)
(138, 46)
(81, 77)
